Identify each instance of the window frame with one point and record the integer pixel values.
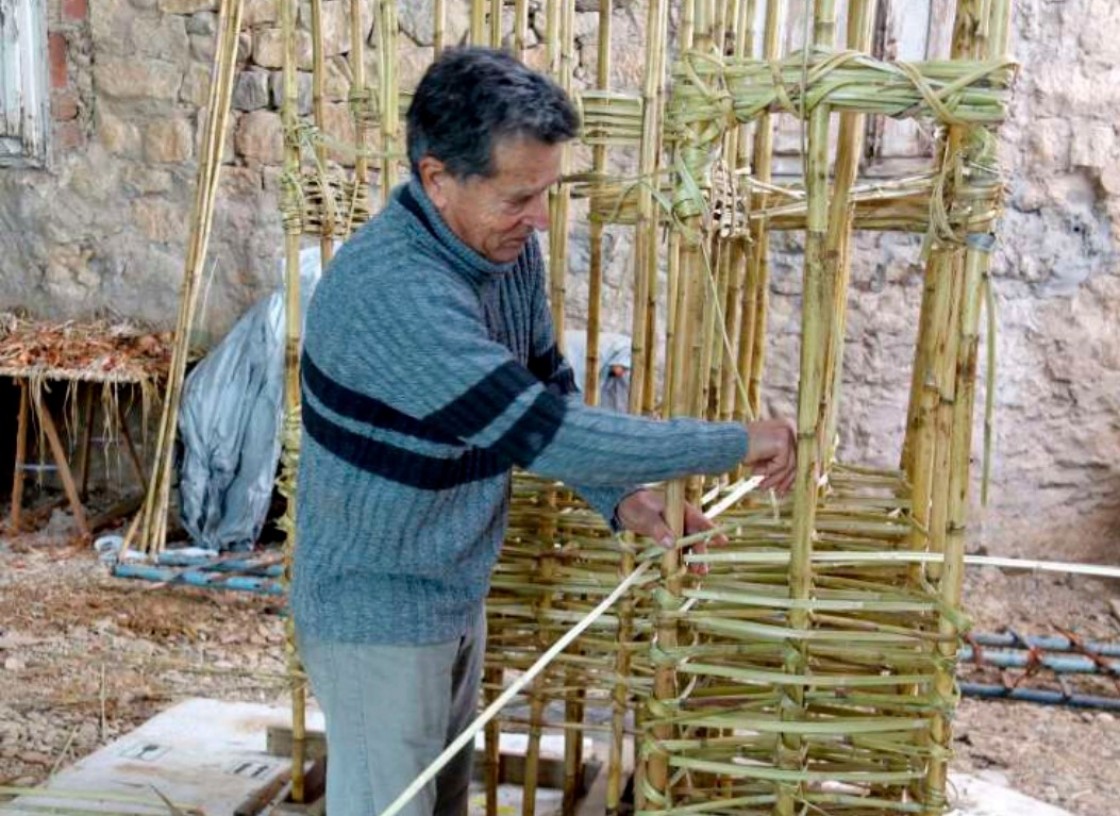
(24, 91)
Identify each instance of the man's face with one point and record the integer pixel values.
(495, 215)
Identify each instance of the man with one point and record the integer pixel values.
(430, 370)
(614, 366)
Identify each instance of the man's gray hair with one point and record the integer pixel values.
(470, 98)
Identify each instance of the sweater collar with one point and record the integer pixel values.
(412, 197)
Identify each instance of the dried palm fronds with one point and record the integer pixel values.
(98, 351)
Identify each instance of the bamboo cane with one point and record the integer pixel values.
(645, 233)
(538, 699)
(492, 683)
(289, 116)
(645, 273)
(318, 105)
(521, 28)
(153, 517)
(478, 21)
(360, 100)
(496, 23)
(560, 43)
(756, 295)
(789, 754)
(573, 739)
(21, 459)
(841, 212)
(740, 14)
(388, 30)
(595, 267)
(439, 25)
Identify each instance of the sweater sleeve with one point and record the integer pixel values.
(428, 355)
(551, 366)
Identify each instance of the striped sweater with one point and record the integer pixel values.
(428, 373)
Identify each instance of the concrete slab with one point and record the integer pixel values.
(204, 754)
(973, 796)
(211, 755)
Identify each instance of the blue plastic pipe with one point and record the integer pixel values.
(1031, 695)
(1020, 659)
(1051, 643)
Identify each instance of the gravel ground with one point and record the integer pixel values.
(85, 658)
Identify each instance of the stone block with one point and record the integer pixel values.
(110, 25)
(69, 136)
(240, 183)
(1092, 145)
(167, 141)
(143, 179)
(118, 136)
(335, 22)
(250, 90)
(196, 85)
(303, 91)
(260, 138)
(203, 47)
(261, 12)
(417, 16)
(337, 84)
(268, 49)
(1110, 179)
(537, 58)
(337, 124)
(1049, 143)
(187, 6)
(244, 46)
(336, 27)
(412, 62)
(229, 152)
(628, 25)
(163, 38)
(120, 78)
(204, 23)
(160, 220)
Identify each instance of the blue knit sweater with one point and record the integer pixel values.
(428, 374)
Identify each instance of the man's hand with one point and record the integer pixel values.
(772, 453)
(643, 512)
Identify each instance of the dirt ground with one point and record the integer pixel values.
(85, 658)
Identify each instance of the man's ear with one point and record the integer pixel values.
(435, 179)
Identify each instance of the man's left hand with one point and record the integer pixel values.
(644, 513)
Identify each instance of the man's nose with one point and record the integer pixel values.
(536, 216)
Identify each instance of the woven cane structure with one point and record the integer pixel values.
(811, 671)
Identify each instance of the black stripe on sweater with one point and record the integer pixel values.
(551, 369)
(485, 401)
(364, 408)
(400, 465)
(466, 415)
(534, 430)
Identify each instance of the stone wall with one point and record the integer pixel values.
(104, 229)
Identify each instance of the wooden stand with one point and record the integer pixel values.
(75, 486)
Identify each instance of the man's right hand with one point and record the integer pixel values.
(772, 452)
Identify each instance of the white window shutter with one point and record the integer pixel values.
(23, 83)
(915, 30)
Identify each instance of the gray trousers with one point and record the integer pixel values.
(390, 711)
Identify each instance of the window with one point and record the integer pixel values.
(24, 117)
(910, 30)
